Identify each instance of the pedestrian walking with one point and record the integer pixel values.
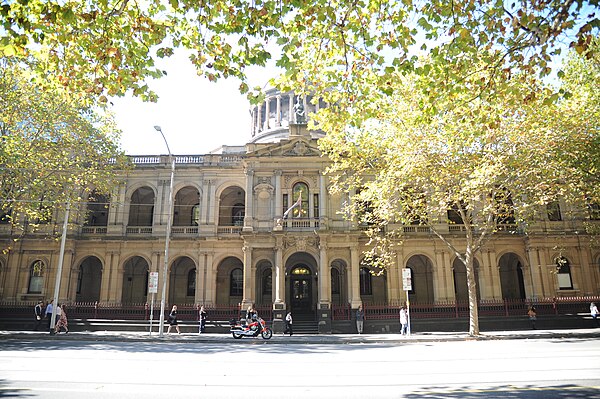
(403, 320)
(360, 318)
(38, 310)
(202, 317)
(173, 320)
(49, 308)
(288, 323)
(62, 322)
(532, 316)
(594, 313)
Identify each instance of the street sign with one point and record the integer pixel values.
(153, 283)
(406, 279)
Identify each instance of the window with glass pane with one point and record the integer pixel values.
(36, 277)
(191, 283)
(564, 274)
(236, 282)
(267, 282)
(553, 209)
(300, 190)
(366, 287)
(335, 281)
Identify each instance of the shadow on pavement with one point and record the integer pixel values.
(509, 392)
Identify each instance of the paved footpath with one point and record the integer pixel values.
(130, 336)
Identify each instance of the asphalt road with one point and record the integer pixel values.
(510, 369)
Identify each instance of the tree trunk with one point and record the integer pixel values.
(472, 288)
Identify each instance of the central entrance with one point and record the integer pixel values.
(301, 289)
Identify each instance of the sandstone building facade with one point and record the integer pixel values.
(231, 245)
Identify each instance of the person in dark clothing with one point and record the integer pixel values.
(202, 315)
(173, 320)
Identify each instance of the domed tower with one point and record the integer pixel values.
(272, 118)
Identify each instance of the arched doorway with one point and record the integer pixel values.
(301, 289)
(422, 279)
(88, 280)
(301, 285)
(511, 277)
(230, 281)
(459, 270)
(135, 280)
(182, 281)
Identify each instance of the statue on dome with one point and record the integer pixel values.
(299, 111)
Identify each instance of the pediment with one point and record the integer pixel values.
(296, 147)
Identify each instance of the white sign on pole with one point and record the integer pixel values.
(406, 279)
(153, 283)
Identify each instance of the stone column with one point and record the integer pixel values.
(248, 296)
(259, 120)
(108, 269)
(278, 116)
(248, 218)
(322, 198)
(355, 299)
(279, 275)
(324, 309)
(267, 111)
(210, 295)
(118, 212)
(443, 279)
(279, 310)
(199, 295)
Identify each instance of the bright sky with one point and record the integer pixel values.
(196, 116)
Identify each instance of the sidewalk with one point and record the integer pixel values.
(324, 339)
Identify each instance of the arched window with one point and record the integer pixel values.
(366, 288)
(335, 281)
(553, 210)
(236, 282)
(563, 274)
(36, 277)
(267, 282)
(191, 283)
(300, 190)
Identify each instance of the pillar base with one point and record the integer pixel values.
(324, 318)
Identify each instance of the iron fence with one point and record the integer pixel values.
(373, 311)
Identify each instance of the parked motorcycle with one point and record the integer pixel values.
(252, 329)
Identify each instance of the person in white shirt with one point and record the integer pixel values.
(288, 323)
(594, 312)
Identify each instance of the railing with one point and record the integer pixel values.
(227, 159)
(341, 312)
(302, 223)
(139, 230)
(440, 309)
(490, 308)
(93, 230)
(229, 229)
(184, 230)
(416, 229)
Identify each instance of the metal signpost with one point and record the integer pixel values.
(407, 286)
(152, 289)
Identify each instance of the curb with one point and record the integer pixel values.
(299, 339)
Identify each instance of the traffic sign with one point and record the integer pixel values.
(153, 283)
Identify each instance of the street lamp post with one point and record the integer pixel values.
(167, 237)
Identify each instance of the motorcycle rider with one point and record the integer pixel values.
(251, 316)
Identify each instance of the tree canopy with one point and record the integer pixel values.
(110, 47)
(52, 149)
(488, 163)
